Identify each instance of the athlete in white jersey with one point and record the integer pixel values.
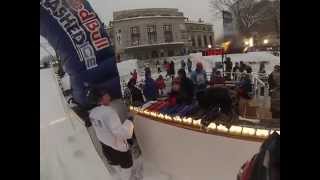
(113, 134)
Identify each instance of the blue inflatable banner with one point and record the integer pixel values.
(79, 38)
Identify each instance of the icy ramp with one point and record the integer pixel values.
(66, 151)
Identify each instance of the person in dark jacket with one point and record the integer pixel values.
(228, 63)
(189, 64)
(166, 66)
(199, 77)
(150, 88)
(135, 93)
(242, 66)
(134, 74)
(186, 86)
(216, 97)
(158, 66)
(172, 70)
(183, 64)
(248, 69)
(274, 87)
(245, 86)
(160, 84)
(217, 79)
(235, 71)
(174, 97)
(177, 95)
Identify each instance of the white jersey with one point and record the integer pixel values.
(109, 129)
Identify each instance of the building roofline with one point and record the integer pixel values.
(143, 9)
(195, 22)
(152, 45)
(148, 17)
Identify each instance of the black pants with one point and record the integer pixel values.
(117, 158)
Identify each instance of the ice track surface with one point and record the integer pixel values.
(66, 150)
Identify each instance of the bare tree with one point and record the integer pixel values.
(246, 13)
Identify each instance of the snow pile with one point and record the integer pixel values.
(125, 67)
(251, 58)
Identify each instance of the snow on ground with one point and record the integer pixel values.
(251, 58)
(66, 150)
(125, 67)
(209, 61)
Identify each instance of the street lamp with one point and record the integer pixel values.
(251, 42)
(209, 46)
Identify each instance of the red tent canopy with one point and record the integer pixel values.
(212, 51)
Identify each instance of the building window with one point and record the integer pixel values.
(193, 41)
(168, 35)
(199, 41)
(118, 36)
(210, 39)
(170, 53)
(135, 35)
(205, 41)
(154, 54)
(152, 33)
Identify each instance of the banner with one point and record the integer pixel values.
(79, 38)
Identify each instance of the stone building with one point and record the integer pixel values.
(156, 32)
(200, 35)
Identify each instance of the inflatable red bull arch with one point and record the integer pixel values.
(79, 38)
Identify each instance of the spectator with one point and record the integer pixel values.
(150, 89)
(228, 63)
(186, 87)
(160, 85)
(242, 67)
(262, 72)
(172, 69)
(173, 95)
(262, 68)
(248, 69)
(213, 73)
(167, 67)
(158, 66)
(146, 67)
(134, 75)
(217, 79)
(136, 97)
(199, 77)
(189, 64)
(274, 86)
(183, 64)
(112, 134)
(245, 86)
(235, 71)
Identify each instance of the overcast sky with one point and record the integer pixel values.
(194, 9)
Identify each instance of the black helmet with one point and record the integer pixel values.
(94, 95)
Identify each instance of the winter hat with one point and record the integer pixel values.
(176, 81)
(132, 81)
(95, 94)
(199, 65)
(182, 72)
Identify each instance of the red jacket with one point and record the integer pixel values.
(134, 75)
(167, 66)
(160, 84)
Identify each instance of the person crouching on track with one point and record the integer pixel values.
(112, 134)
